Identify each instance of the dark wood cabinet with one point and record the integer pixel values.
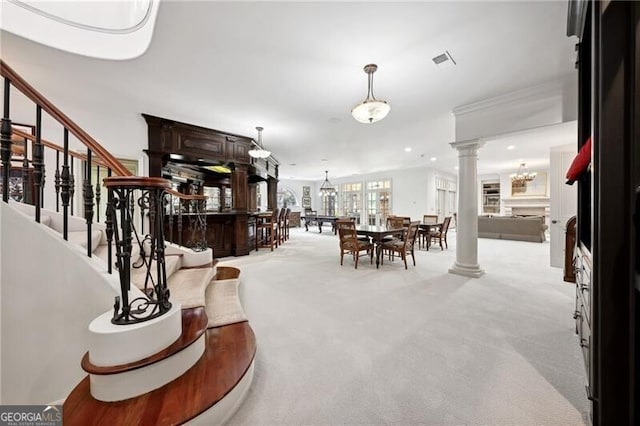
(186, 153)
(607, 232)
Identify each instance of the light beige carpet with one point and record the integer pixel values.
(420, 346)
(222, 303)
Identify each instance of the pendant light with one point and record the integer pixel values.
(258, 151)
(371, 109)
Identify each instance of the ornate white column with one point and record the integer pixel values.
(467, 224)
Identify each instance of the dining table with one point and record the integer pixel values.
(377, 234)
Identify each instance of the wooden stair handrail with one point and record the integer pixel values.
(49, 144)
(19, 83)
(136, 181)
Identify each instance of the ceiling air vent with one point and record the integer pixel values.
(444, 59)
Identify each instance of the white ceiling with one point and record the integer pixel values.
(296, 70)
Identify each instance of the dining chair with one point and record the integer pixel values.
(349, 242)
(424, 233)
(405, 246)
(440, 234)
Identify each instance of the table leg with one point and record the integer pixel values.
(320, 226)
(378, 251)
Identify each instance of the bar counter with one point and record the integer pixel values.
(229, 233)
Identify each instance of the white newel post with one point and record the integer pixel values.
(467, 226)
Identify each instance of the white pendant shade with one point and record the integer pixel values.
(370, 111)
(258, 151)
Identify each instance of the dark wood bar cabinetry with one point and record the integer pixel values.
(197, 159)
(607, 259)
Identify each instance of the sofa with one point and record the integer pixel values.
(520, 228)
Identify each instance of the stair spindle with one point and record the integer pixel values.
(65, 186)
(57, 181)
(109, 222)
(87, 193)
(72, 187)
(97, 193)
(5, 143)
(26, 190)
(38, 162)
(171, 218)
(43, 179)
(180, 223)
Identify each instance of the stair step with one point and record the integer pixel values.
(138, 275)
(194, 324)
(228, 356)
(188, 286)
(223, 303)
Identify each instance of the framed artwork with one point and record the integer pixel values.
(17, 186)
(306, 202)
(537, 186)
(306, 191)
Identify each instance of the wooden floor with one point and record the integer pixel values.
(228, 354)
(194, 324)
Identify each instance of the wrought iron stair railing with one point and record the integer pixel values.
(23, 179)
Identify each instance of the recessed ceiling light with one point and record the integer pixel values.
(407, 149)
(510, 147)
(324, 159)
(293, 164)
(433, 158)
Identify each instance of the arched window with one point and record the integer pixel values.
(286, 198)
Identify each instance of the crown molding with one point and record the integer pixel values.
(541, 91)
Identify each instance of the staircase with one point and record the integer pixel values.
(177, 345)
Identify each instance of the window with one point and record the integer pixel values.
(378, 201)
(351, 200)
(286, 198)
(328, 204)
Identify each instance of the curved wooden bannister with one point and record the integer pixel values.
(51, 145)
(18, 82)
(126, 194)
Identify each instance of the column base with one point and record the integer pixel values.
(472, 271)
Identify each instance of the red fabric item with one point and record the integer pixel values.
(580, 163)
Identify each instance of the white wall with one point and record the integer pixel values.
(50, 293)
(295, 186)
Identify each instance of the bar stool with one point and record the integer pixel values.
(266, 230)
(286, 224)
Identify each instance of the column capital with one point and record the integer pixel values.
(468, 144)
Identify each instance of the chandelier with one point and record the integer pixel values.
(371, 109)
(258, 151)
(522, 176)
(327, 188)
